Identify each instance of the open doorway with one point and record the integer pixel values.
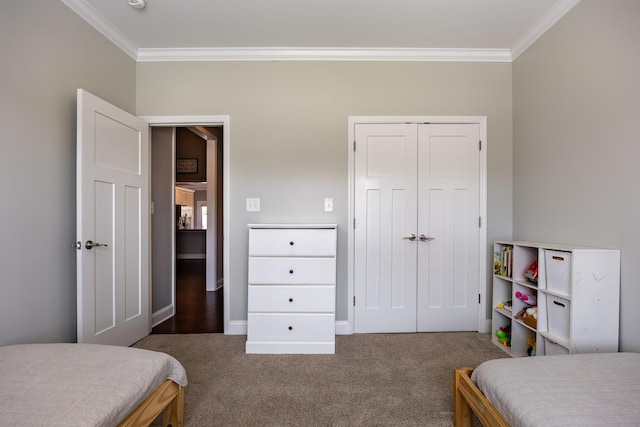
(187, 228)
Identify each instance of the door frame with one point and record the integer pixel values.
(225, 122)
(483, 324)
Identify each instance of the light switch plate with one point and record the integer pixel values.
(328, 205)
(253, 205)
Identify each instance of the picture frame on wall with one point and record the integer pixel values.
(187, 166)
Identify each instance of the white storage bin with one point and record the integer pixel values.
(558, 316)
(554, 349)
(558, 268)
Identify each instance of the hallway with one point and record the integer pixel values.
(197, 311)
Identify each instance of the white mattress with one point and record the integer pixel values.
(78, 384)
(582, 389)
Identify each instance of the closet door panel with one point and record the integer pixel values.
(448, 212)
(385, 208)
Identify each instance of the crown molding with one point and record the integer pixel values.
(541, 27)
(89, 14)
(323, 54)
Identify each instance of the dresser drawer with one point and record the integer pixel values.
(282, 299)
(292, 242)
(290, 327)
(312, 271)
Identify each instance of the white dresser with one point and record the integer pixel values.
(292, 288)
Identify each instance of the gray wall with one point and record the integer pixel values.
(47, 51)
(577, 140)
(289, 133)
(162, 221)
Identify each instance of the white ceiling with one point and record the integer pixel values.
(486, 30)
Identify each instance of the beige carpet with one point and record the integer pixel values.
(372, 380)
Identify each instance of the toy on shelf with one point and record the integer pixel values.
(504, 335)
(506, 305)
(529, 316)
(528, 299)
(532, 272)
(531, 351)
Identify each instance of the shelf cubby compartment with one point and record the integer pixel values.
(501, 321)
(501, 293)
(521, 334)
(523, 257)
(503, 259)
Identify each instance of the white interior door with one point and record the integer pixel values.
(449, 212)
(386, 216)
(112, 197)
(416, 239)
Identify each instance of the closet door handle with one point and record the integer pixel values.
(89, 244)
(424, 238)
(411, 237)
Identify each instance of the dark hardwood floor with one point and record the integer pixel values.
(197, 310)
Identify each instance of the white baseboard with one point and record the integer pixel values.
(162, 315)
(237, 327)
(219, 284)
(343, 327)
(486, 327)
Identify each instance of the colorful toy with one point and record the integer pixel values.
(531, 351)
(532, 272)
(528, 299)
(529, 316)
(504, 335)
(505, 305)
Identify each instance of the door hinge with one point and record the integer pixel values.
(480, 145)
(354, 300)
(354, 223)
(479, 222)
(478, 298)
(354, 146)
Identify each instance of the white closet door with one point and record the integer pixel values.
(386, 213)
(449, 212)
(421, 180)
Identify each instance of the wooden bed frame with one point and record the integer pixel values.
(168, 398)
(468, 401)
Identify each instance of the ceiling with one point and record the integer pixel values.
(482, 30)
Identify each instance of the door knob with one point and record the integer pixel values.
(424, 238)
(411, 237)
(89, 244)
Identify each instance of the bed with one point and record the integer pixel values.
(582, 389)
(89, 385)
